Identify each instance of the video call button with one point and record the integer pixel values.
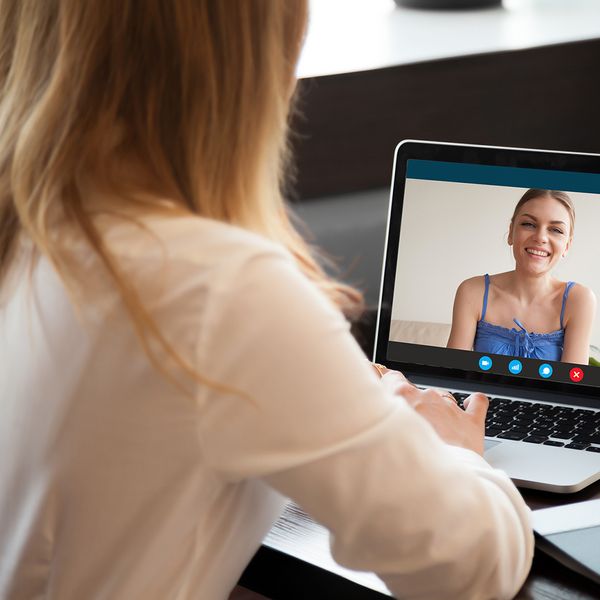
(576, 374)
(515, 366)
(485, 363)
(545, 370)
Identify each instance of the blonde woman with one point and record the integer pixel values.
(173, 362)
(528, 312)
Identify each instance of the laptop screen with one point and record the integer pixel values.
(493, 266)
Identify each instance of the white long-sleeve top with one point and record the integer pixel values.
(114, 484)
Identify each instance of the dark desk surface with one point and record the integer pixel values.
(294, 563)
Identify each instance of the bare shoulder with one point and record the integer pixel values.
(580, 298)
(471, 288)
(472, 285)
(469, 294)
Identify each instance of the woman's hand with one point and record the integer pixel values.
(464, 428)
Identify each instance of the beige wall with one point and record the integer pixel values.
(452, 231)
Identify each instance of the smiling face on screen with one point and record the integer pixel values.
(540, 235)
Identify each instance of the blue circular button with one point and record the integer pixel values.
(485, 363)
(515, 366)
(545, 370)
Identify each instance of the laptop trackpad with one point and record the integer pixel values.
(544, 467)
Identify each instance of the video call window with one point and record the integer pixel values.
(453, 233)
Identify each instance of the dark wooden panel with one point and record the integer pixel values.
(545, 97)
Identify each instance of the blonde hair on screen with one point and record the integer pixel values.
(199, 94)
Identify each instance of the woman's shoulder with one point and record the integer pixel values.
(189, 238)
(217, 236)
(472, 285)
(580, 306)
(580, 296)
(473, 289)
(469, 295)
(191, 253)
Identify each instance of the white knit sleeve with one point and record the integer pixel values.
(434, 521)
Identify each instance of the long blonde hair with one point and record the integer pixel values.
(199, 91)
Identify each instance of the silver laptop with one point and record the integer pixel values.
(448, 222)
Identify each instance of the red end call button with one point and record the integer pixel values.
(576, 374)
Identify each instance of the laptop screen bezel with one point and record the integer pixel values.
(465, 154)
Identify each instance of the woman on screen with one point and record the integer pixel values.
(527, 312)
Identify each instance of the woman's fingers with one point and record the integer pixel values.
(385, 372)
(396, 383)
(477, 405)
(455, 426)
(421, 399)
(409, 392)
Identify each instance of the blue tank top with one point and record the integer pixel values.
(494, 339)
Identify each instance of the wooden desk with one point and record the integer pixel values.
(294, 563)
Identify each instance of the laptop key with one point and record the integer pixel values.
(504, 425)
(577, 446)
(499, 402)
(589, 438)
(491, 432)
(565, 428)
(497, 425)
(511, 435)
(587, 429)
(553, 443)
(519, 404)
(593, 449)
(535, 439)
(540, 431)
(520, 429)
(561, 436)
(584, 411)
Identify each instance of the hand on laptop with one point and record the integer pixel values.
(464, 428)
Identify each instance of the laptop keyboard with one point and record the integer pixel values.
(538, 423)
